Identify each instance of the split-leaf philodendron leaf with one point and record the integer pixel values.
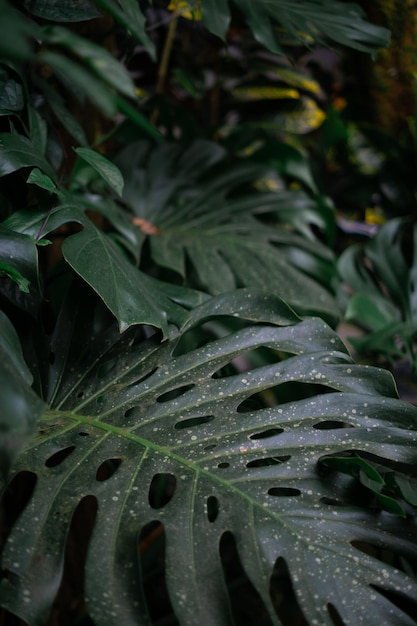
(240, 443)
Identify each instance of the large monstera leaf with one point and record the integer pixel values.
(205, 222)
(233, 412)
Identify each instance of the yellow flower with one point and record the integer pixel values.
(191, 9)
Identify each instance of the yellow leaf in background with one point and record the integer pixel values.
(296, 79)
(374, 215)
(304, 119)
(191, 10)
(264, 93)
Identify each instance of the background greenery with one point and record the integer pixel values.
(195, 198)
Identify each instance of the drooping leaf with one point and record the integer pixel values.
(36, 177)
(20, 407)
(236, 464)
(16, 34)
(132, 296)
(128, 13)
(62, 10)
(107, 170)
(17, 151)
(97, 58)
(343, 23)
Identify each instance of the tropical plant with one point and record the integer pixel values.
(381, 278)
(179, 445)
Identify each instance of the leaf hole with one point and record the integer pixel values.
(334, 615)
(161, 490)
(107, 469)
(265, 434)
(132, 412)
(13, 501)
(59, 457)
(194, 421)
(69, 606)
(331, 425)
(174, 393)
(251, 611)
(152, 548)
(223, 465)
(82, 433)
(212, 508)
(283, 597)
(284, 492)
(389, 556)
(402, 601)
(106, 367)
(80, 394)
(331, 501)
(268, 461)
(210, 447)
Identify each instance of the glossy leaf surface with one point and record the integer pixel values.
(176, 409)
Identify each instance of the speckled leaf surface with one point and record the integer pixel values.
(241, 446)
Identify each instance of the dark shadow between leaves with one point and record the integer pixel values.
(14, 499)
(403, 602)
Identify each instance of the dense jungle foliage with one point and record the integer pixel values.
(196, 197)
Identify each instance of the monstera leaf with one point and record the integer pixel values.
(212, 434)
(212, 221)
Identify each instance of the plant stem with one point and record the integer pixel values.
(163, 67)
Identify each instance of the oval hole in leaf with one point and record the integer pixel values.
(331, 425)
(334, 615)
(161, 490)
(106, 367)
(14, 499)
(152, 542)
(82, 433)
(331, 501)
(273, 460)
(107, 469)
(59, 457)
(174, 393)
(194, 421)
(283, 597)
(403, 602)
(271, 432)
(80, 394)
(210, 447)
(212, 508)
(284, 492)
(134, 410)
(252, 611)
(253, 403)
(223, 465)
(70, 597)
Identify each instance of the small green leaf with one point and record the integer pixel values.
(107, 170)
(406, 485)
(17, 151)
(22, 282)
(36, 177)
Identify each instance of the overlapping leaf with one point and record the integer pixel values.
(336, 21)
(382, 275)
(232, 235)
(168, 409)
